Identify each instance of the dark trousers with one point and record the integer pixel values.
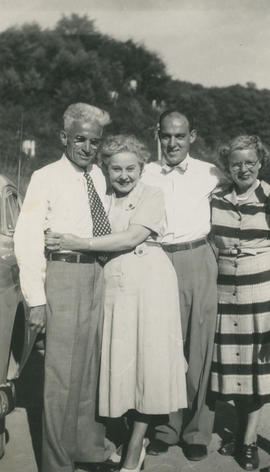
(71, 430)
(197, 280)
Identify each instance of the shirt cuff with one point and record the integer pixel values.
(35, 300)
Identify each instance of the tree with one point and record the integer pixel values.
(42, 71)
(75, 25)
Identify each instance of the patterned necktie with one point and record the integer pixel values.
(101, 224)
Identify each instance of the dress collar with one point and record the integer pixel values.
(247, 197)
(130, 201)
(243, 197)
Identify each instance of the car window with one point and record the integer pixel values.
(12, 210)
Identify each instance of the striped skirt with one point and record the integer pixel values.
(243, 328)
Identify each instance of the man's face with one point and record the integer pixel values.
(82, 141)
(175, 138)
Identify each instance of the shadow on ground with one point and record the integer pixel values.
(29, 397)
(29, 389)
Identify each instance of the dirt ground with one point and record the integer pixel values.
(23, 427)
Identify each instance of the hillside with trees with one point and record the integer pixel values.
(42, 71)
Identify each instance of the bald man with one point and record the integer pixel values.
(187, 184)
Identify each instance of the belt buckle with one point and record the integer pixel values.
(102, 258)
(235, 251)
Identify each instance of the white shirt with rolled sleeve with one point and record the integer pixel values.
(187, 188)
(56, 199)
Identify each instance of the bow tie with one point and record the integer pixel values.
(182, 167)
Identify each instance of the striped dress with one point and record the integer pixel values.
(241, 232)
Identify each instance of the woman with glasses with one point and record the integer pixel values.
(240, 227)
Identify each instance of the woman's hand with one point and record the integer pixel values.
(264, 354)
(58, 241)
(52, 241)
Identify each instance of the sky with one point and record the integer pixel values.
(210, 42)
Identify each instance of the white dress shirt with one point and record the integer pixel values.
(186, 189)
(56, 199)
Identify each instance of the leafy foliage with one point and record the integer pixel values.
(42, 71)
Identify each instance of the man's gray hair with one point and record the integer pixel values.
(86, 113)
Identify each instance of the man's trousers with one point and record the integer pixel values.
(197, 280)
(71, 430)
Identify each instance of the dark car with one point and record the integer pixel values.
(16, 340)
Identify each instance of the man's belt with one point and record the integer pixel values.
(185, 246)
(71, 257)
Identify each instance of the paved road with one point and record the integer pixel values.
(23, 426)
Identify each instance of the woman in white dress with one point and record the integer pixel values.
(142, 365)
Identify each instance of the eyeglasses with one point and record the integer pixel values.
(238, 165)
(94, 142)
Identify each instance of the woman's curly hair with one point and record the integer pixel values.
(240, 143)
(115, 144)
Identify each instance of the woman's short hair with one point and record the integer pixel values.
(240, 143)
(86, 113)
(115, 144)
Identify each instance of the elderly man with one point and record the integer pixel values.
(187, 184)
(65, 292)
